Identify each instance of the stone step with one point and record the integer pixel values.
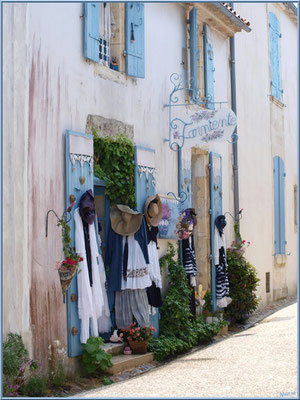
(124, 362)
(113, 348)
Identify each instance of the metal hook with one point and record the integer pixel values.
(240, 215)
(63, 216)
(182, 197)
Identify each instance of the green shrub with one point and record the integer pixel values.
(106, 381)
(35, 386)
(207, 308)
(176, 317)
(243, 282)
(57, 375)
(94, 359)
(14, 353)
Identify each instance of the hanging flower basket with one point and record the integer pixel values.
(138, 347)
(67, 269)
(66, 277)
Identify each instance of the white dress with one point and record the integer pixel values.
(91, 300)
(154, 269)
(137, 269)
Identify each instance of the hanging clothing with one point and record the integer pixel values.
(129, 304)
(188, 256)
(114, 255)
(88, 250)
(154, 268)
(91, 304)
(154, 295)
(222, 283)
(137, 271)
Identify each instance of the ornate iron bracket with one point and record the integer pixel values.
(182, 196)
(65, 214)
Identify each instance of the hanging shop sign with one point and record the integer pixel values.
(203, 126)
(191, 125)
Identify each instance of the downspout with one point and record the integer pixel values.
(235, 144)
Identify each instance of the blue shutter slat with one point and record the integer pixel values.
(276, 204)
(279, 205)
(282, 207)
(134, 40)
(74, 171)
(209, 72)
(91, 31)
(275, 56)
(194, 53)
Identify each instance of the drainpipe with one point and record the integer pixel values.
(234, 145)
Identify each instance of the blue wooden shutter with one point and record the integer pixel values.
(209, 70)
(185, 177)
(194, 52)
(144, 176)
(91, 31)
(134, 40)
(79, 178)
(215, 183)
(279, 205)
(275, 35)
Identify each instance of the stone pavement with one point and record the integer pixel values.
(259, 362)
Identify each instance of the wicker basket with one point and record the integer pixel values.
(66, 277)
(138, 347)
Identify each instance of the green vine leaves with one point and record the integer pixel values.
(113, 162)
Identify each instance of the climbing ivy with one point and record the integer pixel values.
(113, 162)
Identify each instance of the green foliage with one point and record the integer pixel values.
(208, 302)
(35, 386)
(175, 311)
(94, 359)
(106, 381)
(14, 352)
(243, 282)
(113, 162)
(57, 375)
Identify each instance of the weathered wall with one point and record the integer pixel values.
(265, 130)
(16, 248)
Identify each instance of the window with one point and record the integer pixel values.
(108, 40)
(201, 61)
(279, 205)
(275, 35)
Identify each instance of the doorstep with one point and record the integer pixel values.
(113, 348)
(124, 362)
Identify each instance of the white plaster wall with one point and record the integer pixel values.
(255, 141)
(16, 271)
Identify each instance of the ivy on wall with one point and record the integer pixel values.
(113, 162)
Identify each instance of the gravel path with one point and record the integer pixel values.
(259, 362)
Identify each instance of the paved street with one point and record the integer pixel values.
(259, 362)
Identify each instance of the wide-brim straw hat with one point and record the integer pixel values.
(124, 220)
(153, 210)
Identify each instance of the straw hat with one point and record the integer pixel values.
(124, 220)
(153, 210)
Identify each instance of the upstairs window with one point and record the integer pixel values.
(275, 35)
(201, 61)
(114, 36)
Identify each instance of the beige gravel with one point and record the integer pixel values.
(259, 362)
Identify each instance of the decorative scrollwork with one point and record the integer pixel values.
(182, 197)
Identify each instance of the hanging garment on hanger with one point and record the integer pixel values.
(154, 268)
(114, 259)
(129, 304)
(91, 304)
(188, 256)
(222, 283)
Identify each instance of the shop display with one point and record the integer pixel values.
(93, 310)
(222, 283)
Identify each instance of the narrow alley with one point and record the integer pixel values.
(259, 362)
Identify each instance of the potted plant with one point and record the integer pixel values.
(138, 337)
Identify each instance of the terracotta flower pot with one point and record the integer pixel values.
(138, 347)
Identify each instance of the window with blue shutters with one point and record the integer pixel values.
(275, 35)
(121, 49)
(194, 53)
(279, 205)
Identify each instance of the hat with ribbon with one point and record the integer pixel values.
(124, 220)
(153, 210)
(87, 208)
